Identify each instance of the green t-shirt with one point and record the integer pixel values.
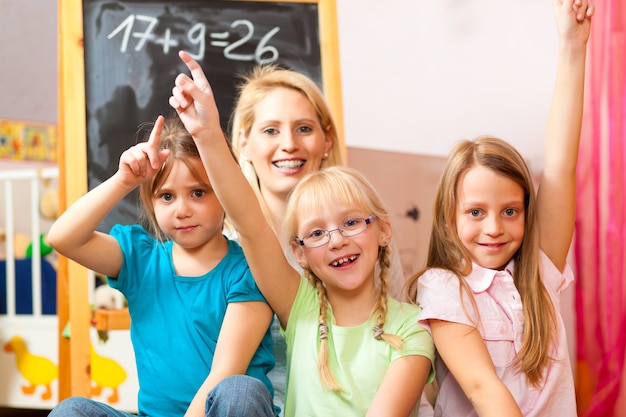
(358, 361)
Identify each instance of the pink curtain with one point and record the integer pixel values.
(600, 246)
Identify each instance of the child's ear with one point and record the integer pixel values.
(296, 248)
(385, 233)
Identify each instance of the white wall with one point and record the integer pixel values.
(418, 75)
(28, 60)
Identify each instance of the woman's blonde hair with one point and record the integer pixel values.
(176, 138)
(319, 191)
(446, 250)
(255, 86)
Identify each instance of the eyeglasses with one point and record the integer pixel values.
(350, 227)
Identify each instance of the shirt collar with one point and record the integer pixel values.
(480, 279)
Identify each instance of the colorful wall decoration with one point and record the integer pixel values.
(21, 140)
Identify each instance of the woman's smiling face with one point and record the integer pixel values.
(286, 140)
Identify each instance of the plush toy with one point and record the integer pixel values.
(49, 210)
(107, 297)
(43, 246)
(49, 202)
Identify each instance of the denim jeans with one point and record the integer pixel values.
(85, 407)
(239, 396)
(235, 396)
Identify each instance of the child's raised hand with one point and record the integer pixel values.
(573, 18)
(193, 100)
(143, 161)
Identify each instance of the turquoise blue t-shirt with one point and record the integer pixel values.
(176, 320)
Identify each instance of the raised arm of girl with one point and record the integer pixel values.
(556, 197)
(339, 246)
(194, 101)
(487, 259)
(74, 233)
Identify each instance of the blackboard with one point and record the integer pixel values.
(131, 59)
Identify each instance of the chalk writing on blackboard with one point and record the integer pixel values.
(196, 35)
(131, 60)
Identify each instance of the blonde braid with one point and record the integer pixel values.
(381, 304)
(323, 368)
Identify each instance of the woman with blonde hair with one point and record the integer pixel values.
(281, 129)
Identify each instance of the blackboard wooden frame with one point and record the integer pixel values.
(72, 304)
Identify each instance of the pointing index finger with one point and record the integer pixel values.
(196, 71)
(154, 141)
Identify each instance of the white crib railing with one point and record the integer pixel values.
(10, 179)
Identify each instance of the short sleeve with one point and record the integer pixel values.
(304, 309)
(416, 339)
(135, 243)
(439, 296)
(555, 280)
(245, 289)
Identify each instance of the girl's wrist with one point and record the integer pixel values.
(573, 49)
(123, 185)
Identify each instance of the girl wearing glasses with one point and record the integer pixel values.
(352, 349)
(282, 129)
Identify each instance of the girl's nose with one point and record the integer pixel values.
(182, 209)
(336, 239)
(493, 226)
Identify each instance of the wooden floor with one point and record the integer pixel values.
(14, 412)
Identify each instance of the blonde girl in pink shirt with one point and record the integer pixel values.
(497, 259)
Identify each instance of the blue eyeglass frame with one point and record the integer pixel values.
(368, 221)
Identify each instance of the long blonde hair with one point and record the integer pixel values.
(255, 86)
(318, 191)
(446, 250)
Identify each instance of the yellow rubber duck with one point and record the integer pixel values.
(106, 373)
(37, 370)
